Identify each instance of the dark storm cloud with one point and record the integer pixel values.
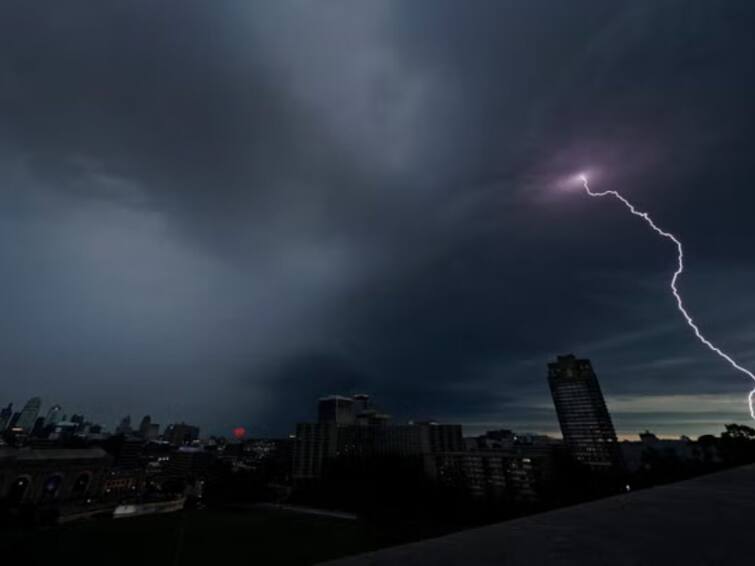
(221, 211)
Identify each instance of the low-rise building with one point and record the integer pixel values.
(650, 450)
(351, 428)
(52, 475)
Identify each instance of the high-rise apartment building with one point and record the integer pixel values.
(582, 413)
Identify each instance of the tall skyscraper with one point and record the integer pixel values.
(125, 426)
(582, 413)
(14, 419)
(37, 430)
(149, 430)
(29, 414)
(54, 415)
(5, 416)
(144, 426)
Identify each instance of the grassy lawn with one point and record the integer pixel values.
(209, 537)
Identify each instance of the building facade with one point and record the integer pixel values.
(5, 416)
(315, 443)
(337, 409)
(29, 414)
(51, 476)
(582, 413)
(350, 428)
(481, 475)
(54, 416)
(181, 434)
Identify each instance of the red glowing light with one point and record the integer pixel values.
(239, 432)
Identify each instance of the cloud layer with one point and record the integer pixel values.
(218, 212)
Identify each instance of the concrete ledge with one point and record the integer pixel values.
(703, 521)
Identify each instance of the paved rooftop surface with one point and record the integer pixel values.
(703, 521)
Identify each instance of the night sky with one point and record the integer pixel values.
(218, 211)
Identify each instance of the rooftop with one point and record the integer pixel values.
(700, 521)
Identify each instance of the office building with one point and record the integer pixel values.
(14, 420)
(29, 414)
(149, 430)
(38, 430)
(153, 432)
(54, 415)
(125, 426)
(336, 409)
(347, 427)
(315, 443)
(181, 434)
(5, 416)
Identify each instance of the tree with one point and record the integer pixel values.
(738, 445)
(739, 432)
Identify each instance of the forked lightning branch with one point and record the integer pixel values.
(679, 270)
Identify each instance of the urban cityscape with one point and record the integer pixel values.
(353, 461)
(377, 283)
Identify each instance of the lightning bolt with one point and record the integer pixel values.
(679, 270)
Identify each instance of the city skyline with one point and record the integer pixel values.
(566, 366)
(627, 429)
(354, 463)
(353, 282)
(214, 213)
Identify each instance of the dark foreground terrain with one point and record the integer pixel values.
(206, 537)
(704, 521)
